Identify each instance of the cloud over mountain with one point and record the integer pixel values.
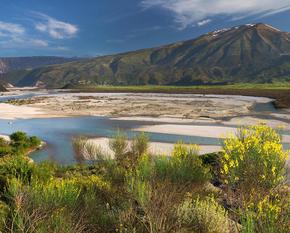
(189, 12)
(55, 28)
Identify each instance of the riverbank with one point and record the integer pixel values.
(175, 106)
(155, 148)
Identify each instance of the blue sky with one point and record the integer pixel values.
(99, 27)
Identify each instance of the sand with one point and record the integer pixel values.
(186, 107)
(165, 120)
(5, 137)
(247, 121)
(189, 130)
(155, 148)
(194, 130)
(8, 111)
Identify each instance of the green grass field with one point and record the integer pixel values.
(284, 86)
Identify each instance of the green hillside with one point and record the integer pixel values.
(255, 53)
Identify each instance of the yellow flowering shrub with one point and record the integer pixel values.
(254, 159)
(270, 214)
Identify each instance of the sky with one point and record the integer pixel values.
(99, 27)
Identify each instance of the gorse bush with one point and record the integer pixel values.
(270, 215)
(254, 160)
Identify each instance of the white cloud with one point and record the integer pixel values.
(55, 28)
(189, 12)
(203, 22)
(11, 29)
(15, 36)
(40, 43)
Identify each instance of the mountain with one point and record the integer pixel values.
(246, 53)
(8, 64)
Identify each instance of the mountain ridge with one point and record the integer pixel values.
(246, 53)
(31, 62)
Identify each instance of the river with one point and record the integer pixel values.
(58, 132)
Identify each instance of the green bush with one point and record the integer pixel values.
(185, 166)
(16, 167)
(203, 216)
(119, 145)
(128, 154)
(21, 142)
(5, 148)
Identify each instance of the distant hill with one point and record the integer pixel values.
(8, 64)
(255, 53)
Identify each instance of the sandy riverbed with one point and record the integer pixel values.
(155, 148)
(130, 105)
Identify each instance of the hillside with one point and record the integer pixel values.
(8, 64)
(255, 53)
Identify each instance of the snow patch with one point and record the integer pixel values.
(251, 25)
(218, 32)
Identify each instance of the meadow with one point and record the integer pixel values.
(241, 189)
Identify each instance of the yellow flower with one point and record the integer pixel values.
(226, 169)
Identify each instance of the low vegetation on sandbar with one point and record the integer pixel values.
(241, 189)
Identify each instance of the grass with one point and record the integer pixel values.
(154, 88)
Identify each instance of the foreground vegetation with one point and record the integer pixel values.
(241, 189)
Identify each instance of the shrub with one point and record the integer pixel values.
(21, 142)
(86, 150)
(153, 207)
(139, 147)
(5, 150)
(185, 166)
(4, 211)
(128, 154)
(16, 167)
(119, 146)
(18, 137)
(34, 141)
(270, 215)
(78, 146)
(254, 160)
(204, 216)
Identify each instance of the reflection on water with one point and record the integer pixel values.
(58, 132)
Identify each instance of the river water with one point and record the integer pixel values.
(58, 132)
